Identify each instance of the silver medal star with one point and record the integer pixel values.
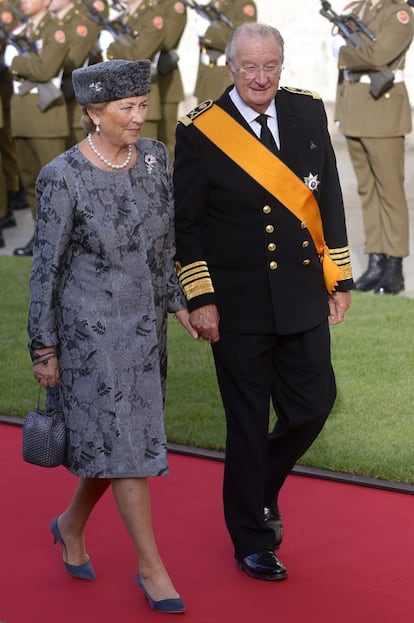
(312, 181)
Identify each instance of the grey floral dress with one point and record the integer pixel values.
(101, 285)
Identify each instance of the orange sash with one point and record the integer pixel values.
(271, 173)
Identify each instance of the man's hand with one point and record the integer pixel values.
(339, 302)
(205, 320)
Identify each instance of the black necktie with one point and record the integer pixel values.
(266, 137)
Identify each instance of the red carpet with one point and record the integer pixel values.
(349, 551)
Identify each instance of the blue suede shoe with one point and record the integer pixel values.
(174, 605)
(85, 571)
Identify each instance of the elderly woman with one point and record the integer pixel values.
(101, 285)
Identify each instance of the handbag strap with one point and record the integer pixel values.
(38, 398)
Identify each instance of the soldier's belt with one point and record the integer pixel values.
(211, 60)
(365, 79)
(35, 90)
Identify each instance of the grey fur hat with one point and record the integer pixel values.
(111, 80)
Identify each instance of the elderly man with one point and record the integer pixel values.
(262, 255)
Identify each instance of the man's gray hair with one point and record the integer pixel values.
(253, 29)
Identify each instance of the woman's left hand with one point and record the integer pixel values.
(183, 317)
(46, 370)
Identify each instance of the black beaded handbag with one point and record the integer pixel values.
(44, 437)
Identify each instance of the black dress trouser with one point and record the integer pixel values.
(295, 372)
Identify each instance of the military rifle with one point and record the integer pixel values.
(167, 61)
(48, 93)
(353, 31)
(210, 12)
(21, 42)
(114, 26)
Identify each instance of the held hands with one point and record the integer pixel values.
(46, 367)
(205, 321)
(339, 302)
(201, 323)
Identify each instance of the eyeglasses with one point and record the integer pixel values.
(249, 71)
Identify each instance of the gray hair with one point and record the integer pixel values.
(253, 29)
(87, 123)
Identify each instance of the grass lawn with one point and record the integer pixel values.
(369, 432)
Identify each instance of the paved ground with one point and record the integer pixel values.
(18, 236)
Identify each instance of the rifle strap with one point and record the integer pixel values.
(271, 173)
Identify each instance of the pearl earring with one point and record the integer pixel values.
(98, 128)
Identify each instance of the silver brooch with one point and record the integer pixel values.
(312, 181)
(96, 86)
(150, 161)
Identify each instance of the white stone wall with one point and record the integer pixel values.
(309, 63)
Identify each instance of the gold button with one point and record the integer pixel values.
(273, 265)
(270, 229)
(306, 262)
(271, 246)
(267, 209)
(304, 224)
(305, 244)
(387, 96)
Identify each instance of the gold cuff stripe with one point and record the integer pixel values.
(342, 258)
(197, 288)
(195, 279)
(347, 271)
(339, 251)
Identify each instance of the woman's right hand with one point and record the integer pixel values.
(184, 318)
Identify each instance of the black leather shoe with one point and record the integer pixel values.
(377, 264)
(9, 220)
(26, 250)
(273, 520)
(263, 566)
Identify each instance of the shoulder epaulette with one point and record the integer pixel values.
(313, 94)
(198, 110)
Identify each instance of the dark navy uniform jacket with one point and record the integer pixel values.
(265, 271)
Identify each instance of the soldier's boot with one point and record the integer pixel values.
(17, 200)
(377, 264)
(392, 281)
(9, 220)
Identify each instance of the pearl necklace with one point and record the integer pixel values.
(109, 164)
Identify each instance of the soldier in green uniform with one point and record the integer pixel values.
(214, 34)
(143, 38)
(375, 129)
(3, 184)
(39, 119)
(10, 171)
(81, 34)
(169, 77)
